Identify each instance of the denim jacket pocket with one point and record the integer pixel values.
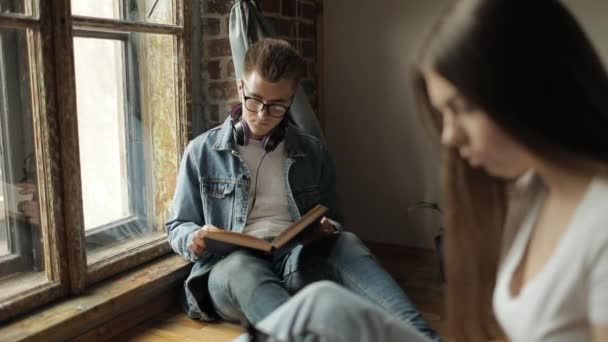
(218, 189)
(218, 198)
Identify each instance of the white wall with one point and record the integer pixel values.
(384, 158)
(593, 16)
(383, 154)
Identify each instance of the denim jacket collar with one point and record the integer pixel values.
(225, 140)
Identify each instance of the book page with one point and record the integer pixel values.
(313, 215)
(240, 239)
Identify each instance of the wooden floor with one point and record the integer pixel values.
(414, 269)
(176, 326)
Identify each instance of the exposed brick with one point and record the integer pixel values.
(297, 8)
(227, 106)
(219, 6)
(223, 90)
(308, 48)
(306, 31)
(289, 7)
(226, 24)
(217, 67)
(218, 47)
(213, 112)
(213, 69)
(286, 28)
(229, 68)
(283, 27)
(310, 87)
(215, 93)
(310, 69)
(211, 26)
(271, 6)
(308, 11)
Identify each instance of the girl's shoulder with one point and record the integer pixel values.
(593, 227)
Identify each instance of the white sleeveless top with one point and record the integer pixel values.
(570, 293)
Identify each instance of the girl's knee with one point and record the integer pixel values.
(324, 294)
(320, 288)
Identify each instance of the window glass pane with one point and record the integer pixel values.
(20, 244)
(150, 11)
(16, 7)
(127, 129)
(101, 123)
(4, 245)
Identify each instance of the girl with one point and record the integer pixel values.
(521, 100)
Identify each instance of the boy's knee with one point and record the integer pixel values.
(230, 264)
(350, 237)
(348, 244)
(238, 267)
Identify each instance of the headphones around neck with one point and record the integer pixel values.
(242, 132)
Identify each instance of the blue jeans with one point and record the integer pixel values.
(245, 285)
(325, 312)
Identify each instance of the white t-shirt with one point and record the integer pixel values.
(270, 216)
(570, 293)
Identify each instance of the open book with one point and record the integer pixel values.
(225, 242)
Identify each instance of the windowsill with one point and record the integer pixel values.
(98, 256)
(74, 316)
(13, 285)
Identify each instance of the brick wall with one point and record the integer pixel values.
(293, 20)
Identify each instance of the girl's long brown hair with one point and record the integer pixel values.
(474, 212)
(530, 67)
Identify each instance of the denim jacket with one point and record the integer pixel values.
(213, 187)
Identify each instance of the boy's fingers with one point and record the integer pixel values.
(195, 248)
(198, 242)
(202, 231)
(326, 226)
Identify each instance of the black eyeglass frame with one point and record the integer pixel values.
(265, 106)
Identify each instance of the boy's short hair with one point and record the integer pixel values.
(274, 59)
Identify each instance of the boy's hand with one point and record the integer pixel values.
(30, 211)
(197, 244)
(26, 188)
(324, 229)
(28, 208)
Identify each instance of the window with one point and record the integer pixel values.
(20, 248)
(16, 7)
(151, 11)
(92, 124)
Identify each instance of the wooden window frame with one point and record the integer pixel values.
(135, 161)
(20, 235)
(50, 30)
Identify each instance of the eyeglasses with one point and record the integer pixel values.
(256, 105)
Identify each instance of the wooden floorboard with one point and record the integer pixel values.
(414, 269)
